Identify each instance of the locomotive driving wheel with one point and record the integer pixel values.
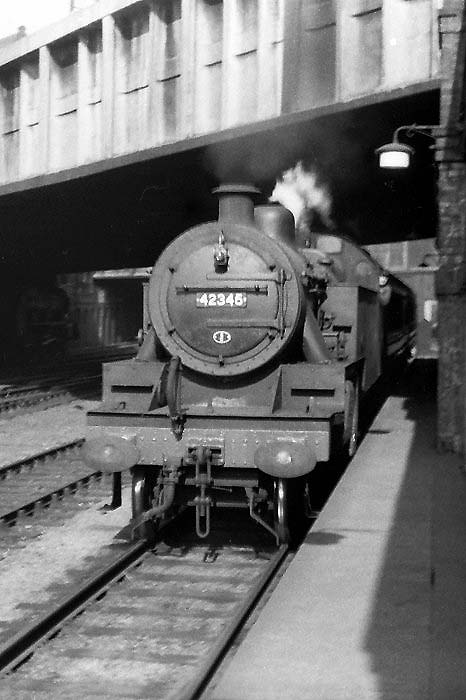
(290, 509)
(142, 494)
(280, 510)
(351, 416)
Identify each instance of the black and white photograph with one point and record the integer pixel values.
(232, 349)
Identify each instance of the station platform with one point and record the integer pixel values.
(373, 606)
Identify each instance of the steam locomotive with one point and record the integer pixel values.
(35, 321)
(257, 350)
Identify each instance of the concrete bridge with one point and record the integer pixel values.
(124, 78)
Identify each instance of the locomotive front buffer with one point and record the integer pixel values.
(256, 453)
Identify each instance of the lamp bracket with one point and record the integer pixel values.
(432, 131)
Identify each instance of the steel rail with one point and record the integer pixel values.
(18, 386)
(29, 462)
(193, 689)
(11, 516)
(29, 399)
(51, 384)
(23, 644)
(45, 373)
(17, 398)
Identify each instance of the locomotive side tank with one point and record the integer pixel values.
(256, 352)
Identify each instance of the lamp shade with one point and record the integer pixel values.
(394, 155)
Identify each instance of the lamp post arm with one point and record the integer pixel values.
(423, 129)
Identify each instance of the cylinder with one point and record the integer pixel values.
(276, 222)
(236, 203)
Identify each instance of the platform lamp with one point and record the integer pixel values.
(397, 155)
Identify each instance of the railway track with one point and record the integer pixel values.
(17, 399)
(51, 386)
(37, 480)
(45, 491)
(66, 368)
(151, 624)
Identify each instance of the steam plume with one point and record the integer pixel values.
(299, 191)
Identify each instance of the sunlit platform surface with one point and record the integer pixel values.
(374, 603)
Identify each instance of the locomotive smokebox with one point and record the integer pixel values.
(276, 222)
(236, 203)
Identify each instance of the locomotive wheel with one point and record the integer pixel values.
(290, 505)
(280, 510)
(141, 500)
(351, 416)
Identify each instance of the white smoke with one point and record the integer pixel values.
(299, 191)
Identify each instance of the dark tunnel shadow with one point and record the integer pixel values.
(412, 639)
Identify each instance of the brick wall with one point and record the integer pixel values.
(451, 278)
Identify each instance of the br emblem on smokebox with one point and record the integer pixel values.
(221, 337)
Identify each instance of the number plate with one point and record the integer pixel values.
(232, 299)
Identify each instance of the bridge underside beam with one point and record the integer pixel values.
(121, 211)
